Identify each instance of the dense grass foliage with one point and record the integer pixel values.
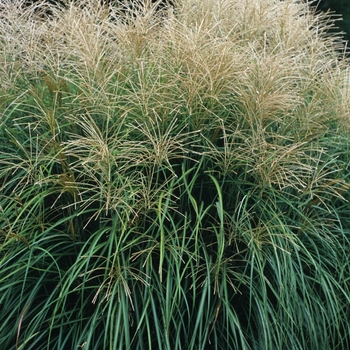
(174, 180)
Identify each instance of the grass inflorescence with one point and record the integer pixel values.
(174, 178)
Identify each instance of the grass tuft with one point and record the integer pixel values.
(173, 178)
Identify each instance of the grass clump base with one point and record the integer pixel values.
(173, 179)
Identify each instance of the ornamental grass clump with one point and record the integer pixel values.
(174, 177)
